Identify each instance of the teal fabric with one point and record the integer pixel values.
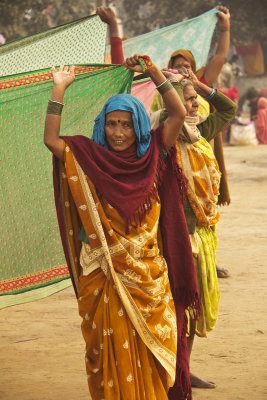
(194, 34)
(82, 236)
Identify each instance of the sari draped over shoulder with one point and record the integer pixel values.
(121, 278)
(204, 110)
(196, 158)
(199, 165)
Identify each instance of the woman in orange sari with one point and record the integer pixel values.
(109, 194)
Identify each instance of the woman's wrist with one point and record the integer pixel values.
(203, 90)
(155, 74)
(225, 27)
(152, 70)
(211, 95)
(114, 29)
(177, 79)
(58, 93)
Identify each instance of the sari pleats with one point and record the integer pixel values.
(205, 263)
(118, 366)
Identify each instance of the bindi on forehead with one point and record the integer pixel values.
(118, 120)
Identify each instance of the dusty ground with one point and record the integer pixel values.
(42, 352)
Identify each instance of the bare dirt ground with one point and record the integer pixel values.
(42, 351)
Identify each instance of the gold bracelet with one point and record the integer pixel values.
(54, 107)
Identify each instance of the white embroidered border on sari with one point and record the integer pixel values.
(165, 356)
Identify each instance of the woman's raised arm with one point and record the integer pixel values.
(175, 108)
(62, 80)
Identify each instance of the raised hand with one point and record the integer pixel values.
(169, 74)
(223, 15)
(64, 77)
(107, 14)
(193, 79)
(184, 71)
(132, 63)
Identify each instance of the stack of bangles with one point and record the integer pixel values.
(54, 107)
(225, 27)
(165, 86)
(212, 93)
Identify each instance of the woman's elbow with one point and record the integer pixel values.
(233, 109)
(180, 115)
(47, 142)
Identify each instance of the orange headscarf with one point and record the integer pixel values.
(190, 58)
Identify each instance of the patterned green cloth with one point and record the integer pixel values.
(79, 42)
(31, 254)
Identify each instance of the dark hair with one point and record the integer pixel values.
(251, 93)
(233, 58)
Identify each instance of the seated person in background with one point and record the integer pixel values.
(252, 95)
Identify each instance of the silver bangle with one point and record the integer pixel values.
(58, 102)
(162, 89)
(161, 84)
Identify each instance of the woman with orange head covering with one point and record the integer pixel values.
(182, 59)
(208, 74)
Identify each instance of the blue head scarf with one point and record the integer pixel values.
(141, 121)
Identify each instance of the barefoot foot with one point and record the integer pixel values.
(201, 383)
(222, 272)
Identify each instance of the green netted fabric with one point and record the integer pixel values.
(79, 42)
(31, 252)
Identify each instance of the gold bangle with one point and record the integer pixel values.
(54, 107)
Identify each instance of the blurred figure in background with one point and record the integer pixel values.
(2, 39)
(261, 121)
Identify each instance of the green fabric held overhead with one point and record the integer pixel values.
(31, 254)
(78, 42)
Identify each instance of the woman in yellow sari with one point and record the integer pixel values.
(195, 156)
(107, 195)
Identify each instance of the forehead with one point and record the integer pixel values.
(119, 115)
(180, 60)
(189, 91)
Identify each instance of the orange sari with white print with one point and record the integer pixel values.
(124, 297)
